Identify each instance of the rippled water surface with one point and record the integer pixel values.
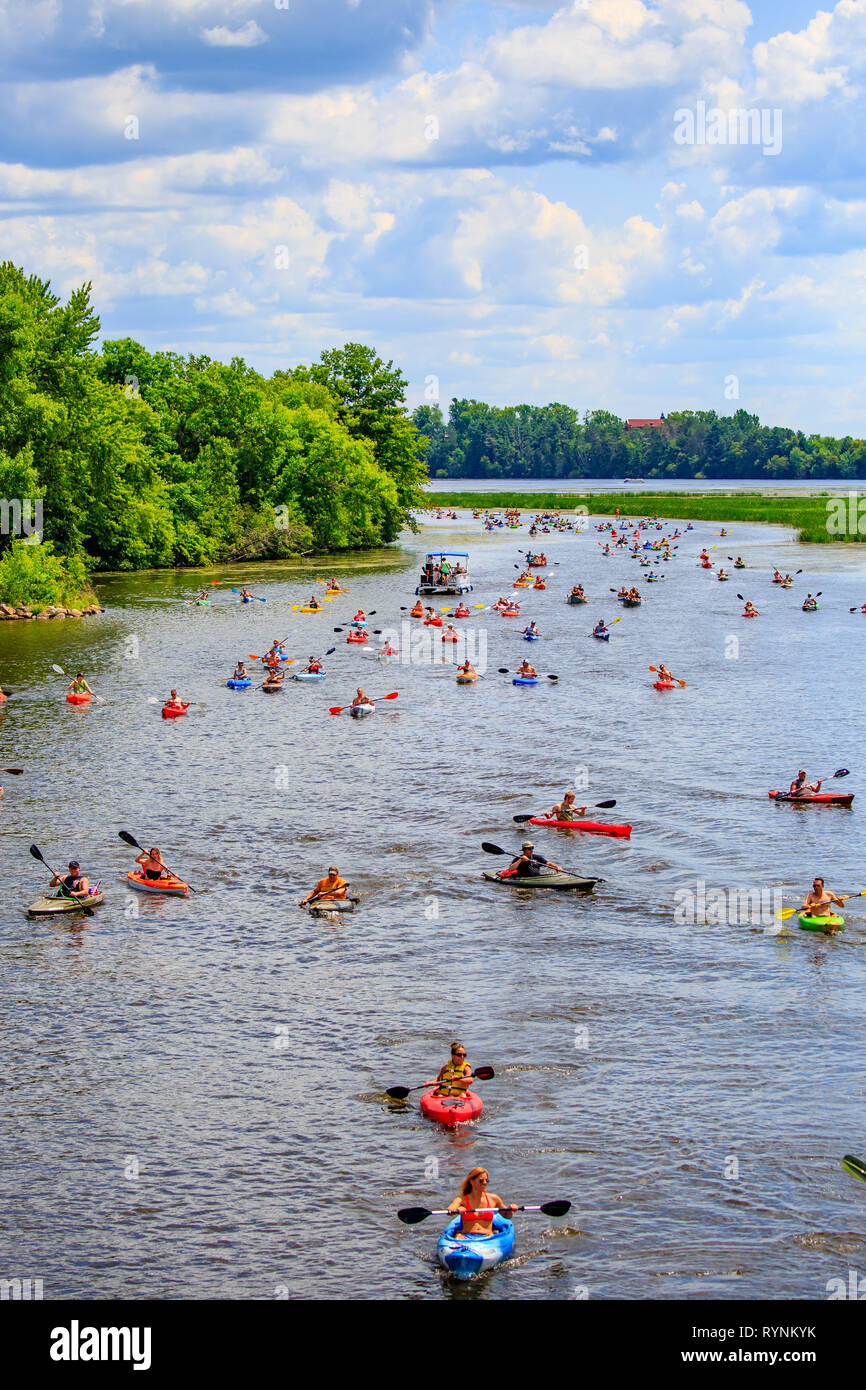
(234, 1050)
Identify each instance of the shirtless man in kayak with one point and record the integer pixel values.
(174, 702)
(525, 671)
(664, 673)
(362, 699)
(332, 886)
(527, 864)
(820, 901)
(800, 787)
(74, 882)
(475, 1198)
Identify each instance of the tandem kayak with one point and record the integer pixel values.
(595, 827)
(831, 923)
(451, 1110)
(525, 680)
(243, 683)
(74, 699)
(358, 711)
(473, 1254)
(818, 798)
(556, 880)
(575, 600)
(174, 711)
(49, 907)
(173, 887)
(664, 685)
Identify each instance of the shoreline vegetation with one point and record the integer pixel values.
(149, 460)
(811, 516)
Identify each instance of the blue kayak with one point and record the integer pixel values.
(309, 676)
(239, 685)
(474, 1254)
(530, 636)
(525, 680)
(602, 636)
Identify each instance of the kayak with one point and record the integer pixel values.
(602, 636)
(596, 827)
(433, 622)
(741, 567)
(74, 699)
(810, 608)
(358, 637)
(358, 711)
(326, 905)
(751, 615)
(820, 798)
(572, 598)
(531, 636)
(450, 637)
(49, 907)
(174, 711)
(309, 676)
(242, 683)
(451, 1110)
(820, 923)
(307, 609)
(173, 887)
(631, 602)
(466, 680)
(525, 680)
(557, 880)
(473, 1254)
(272, 687)
(664, 685)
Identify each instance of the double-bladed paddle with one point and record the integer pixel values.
(37, 854)
(784, 913)
(401, 1092)
(410, 1216)
(674, 678)
(131, 840)
(338, 709)
(503, 671)
(596, 805)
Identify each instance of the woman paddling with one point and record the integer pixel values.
(240, 673)
(455, 1078)
(151, 864)
(476, 1201)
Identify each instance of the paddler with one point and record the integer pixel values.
(450, 634)
(577, 590)
(74, 882)
(777, 578)
(800, 787)
(313, 602)
(332, 886)
(527, 864)
(809, 602)
(174, 702)
(245, 593)
(739, 563)
(664, 673)
(467, 669)
(461, 612)
(525, 670)
(750, 609)
(274, 656)
(531, 631)
(566, 809)
(599, 630)
(151, 864)
(820, 901)
(455, 1077)
(313, 666)
(361, 617)
(475, 1199)
(362, 699)
(723, 574)
(240, 672)
(418, 610)
(79, 686)
(333, 587)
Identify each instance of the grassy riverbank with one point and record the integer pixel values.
(809, 514)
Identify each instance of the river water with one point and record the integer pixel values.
(192, 1090)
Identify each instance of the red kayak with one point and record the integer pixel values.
(451, 1110)
(174, 711)
(822, 798)
(664, 685)
(596, 827)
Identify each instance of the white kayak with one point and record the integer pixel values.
(359, 711)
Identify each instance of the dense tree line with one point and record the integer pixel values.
(154, 459)
(553, 441)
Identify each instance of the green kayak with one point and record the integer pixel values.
(49, 907)
(557, 880)
(325, 906)
(820, 923)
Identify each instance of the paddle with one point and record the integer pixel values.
(37, 854)
(503, 672)
(855, 1166)
(401, 1092)
(131, 840)
(255, 596)
(338, 709)
(784, 913)
(410, 1216)
(317, 895)
(679, 682)
(597, 805)
(60, 671)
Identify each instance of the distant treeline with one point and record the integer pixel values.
(154, 459)
(553, 441)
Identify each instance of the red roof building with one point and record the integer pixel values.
(639, 424)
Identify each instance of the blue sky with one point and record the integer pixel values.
(494, 195)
